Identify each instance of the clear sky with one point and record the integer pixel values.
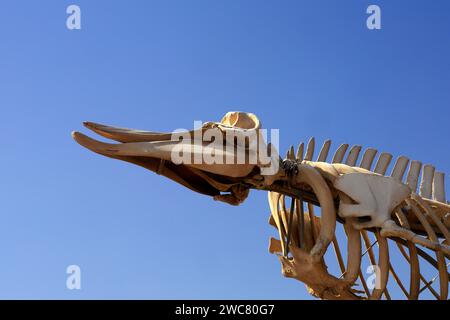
(309, 68)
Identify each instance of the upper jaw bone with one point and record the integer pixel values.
(126, 135)
(164, 150)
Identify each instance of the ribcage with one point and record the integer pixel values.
(409, 261)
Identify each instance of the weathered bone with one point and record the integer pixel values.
(426, 185)
(310, 149)
(399, 168)
(340, 153)
(365, 200)
(368, 157)
(383, 162)
(375, 197)
(413, 175)
(438, 187)
(353, 156)
(323, 154)
(299, 155)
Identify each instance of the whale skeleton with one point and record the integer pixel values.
(401, 214)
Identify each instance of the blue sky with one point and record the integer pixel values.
(310, 68)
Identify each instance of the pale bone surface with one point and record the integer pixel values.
(406, 208)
